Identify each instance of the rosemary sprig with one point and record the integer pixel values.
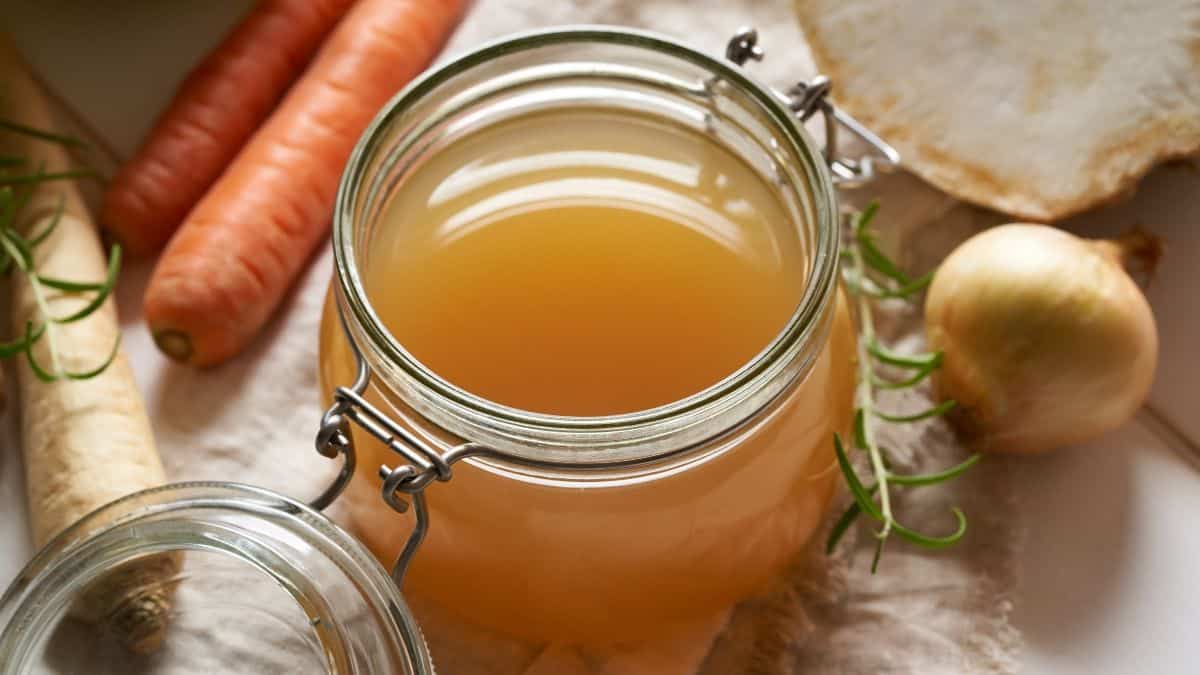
(17, 127)
(17, 184)
(869, 274)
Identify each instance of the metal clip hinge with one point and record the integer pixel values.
(806, 99)
(422, 464)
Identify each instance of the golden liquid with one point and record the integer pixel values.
(584, 263)
(583, 276)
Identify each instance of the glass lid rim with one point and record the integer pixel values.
(818, 288)
(176, 496)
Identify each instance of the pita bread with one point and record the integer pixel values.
(1038, 108)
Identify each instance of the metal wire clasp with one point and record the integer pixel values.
(807, 98)
(422, 464)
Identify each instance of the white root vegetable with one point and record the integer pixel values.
(85, 442)
(1047, 340)
(1039, 108)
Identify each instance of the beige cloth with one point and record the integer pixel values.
(941, 613)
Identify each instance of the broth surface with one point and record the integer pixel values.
(585, 264)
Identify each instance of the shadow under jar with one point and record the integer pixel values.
(612, 259)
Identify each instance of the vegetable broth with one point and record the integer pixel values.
(585, 263)
(606, 267)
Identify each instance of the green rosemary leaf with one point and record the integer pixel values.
(935, 542)
(916, 378)
(844, 522)
(8, 349)
(52, 223)
(939, 409)
(6, 254)
(25, 191)
(16, 127)
(861, 495)
(908, 289)
(29, 178)
(17, 248)
(927, 360)
(839, 528)
(860, 428)
(38, 371)
(877, 260)
(939, 477)
(16, 191)
(70, 286)
(114, 266)
(87, 375)
(868, 273)
(7, 216)
(863, 218)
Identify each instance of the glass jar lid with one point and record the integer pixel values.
(264, 584)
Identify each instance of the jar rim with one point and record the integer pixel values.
(800, 327)
(87, 546)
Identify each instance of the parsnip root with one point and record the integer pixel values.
(86, 442)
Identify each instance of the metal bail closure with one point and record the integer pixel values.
(422, 464)
(805, 99)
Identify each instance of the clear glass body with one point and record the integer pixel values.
(657, 489)
(267, 585)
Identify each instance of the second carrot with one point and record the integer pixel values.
(218, 107)
(231, 262)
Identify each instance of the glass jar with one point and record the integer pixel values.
(608, 528)
(267, 585)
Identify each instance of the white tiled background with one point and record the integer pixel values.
(1108, 583)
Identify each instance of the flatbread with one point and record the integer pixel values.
(1037, 108)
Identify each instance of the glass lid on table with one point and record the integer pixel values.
(205, 578)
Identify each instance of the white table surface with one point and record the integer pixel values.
(1108, 581)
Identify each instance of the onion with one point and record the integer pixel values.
(1046, 339)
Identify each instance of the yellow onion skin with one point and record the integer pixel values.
(1047, 340)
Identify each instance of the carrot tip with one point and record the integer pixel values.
(175, 344)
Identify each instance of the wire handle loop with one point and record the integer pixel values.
(807, 98)
(402, 484)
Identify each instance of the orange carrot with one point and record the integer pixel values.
(218, 107)
(229, 265)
